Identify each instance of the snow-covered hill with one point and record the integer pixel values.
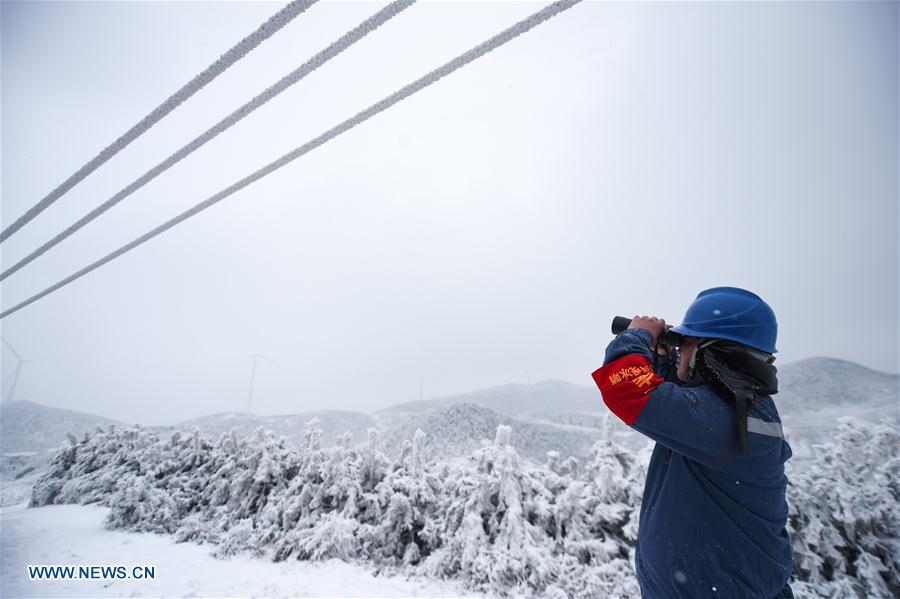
(18, 473)
(290, 426)
(458, 429)
(818, 383)
(814, 394)
(551, 397)
(550, 415)
(26, 426)
(29, 432)
(817, 392)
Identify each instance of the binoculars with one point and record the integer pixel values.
(668, 337)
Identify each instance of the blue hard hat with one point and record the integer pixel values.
(734, 314)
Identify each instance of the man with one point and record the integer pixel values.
(713, 513)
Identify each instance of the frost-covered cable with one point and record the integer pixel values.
(265, 31)
(344, 42)
(440, 72)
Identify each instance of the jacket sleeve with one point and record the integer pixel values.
(692, 421)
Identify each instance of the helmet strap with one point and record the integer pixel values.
(693, 361)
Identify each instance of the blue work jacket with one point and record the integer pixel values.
(712, 521)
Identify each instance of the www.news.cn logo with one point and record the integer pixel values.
(43, 572)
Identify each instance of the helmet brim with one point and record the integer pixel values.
(689, 332)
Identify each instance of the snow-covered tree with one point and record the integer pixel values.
(500, 524)
(844, 522)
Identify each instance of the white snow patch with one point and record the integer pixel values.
(75, 535)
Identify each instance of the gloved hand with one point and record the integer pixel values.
(653, 325)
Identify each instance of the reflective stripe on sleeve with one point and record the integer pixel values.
(761, 427)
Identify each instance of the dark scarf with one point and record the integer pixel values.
(741, 374)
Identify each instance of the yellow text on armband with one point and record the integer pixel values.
(642, 375)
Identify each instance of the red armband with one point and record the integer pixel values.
(625, 385)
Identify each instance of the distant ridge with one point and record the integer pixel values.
(333, 424)
(457, 429)
(26, 426)
(548, 397)
(822, 380)
(832, 381)
(814, 394)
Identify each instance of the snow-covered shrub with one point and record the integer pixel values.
(844, 517)
(499, 524)
(509, 528)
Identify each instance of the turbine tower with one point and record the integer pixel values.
(14, 377)
(253, 378)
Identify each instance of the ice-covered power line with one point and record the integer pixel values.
(241, 49)
(344, 42)
(404, 92)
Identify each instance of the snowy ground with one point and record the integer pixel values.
(74, 535)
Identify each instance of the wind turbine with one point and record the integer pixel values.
(253, 377)
(14, 377)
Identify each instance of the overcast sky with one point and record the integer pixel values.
(618, 159)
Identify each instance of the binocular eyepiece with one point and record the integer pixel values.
(668, 337)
